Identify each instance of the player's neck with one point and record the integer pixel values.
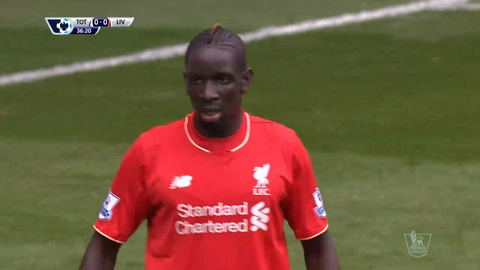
(225, 129)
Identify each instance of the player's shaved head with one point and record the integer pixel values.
(221, 38)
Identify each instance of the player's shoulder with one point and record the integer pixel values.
(275, 131)
(161, 133)
(149, 144)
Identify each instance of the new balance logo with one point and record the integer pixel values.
(181, 181)
(260, 217)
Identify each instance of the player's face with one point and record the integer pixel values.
(215, 83)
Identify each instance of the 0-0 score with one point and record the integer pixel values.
(105, 22)
(101, 22)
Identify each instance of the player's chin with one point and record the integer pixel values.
(211, 117)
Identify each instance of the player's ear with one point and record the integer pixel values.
(246, 80)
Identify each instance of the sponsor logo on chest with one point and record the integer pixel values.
(255, 218)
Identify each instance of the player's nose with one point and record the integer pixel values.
(209, 92)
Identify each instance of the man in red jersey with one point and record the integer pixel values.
(216, 186)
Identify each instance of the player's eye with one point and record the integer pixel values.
(224, 80)
(196, 80)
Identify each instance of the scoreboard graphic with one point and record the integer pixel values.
(86, 25)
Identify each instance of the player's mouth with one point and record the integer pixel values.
(210, 116)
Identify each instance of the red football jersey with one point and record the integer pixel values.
(215, 203)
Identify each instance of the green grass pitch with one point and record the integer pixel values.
(389, 111)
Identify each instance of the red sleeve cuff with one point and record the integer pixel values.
(107, 236)
(313, 235)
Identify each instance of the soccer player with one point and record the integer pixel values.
(216, 186)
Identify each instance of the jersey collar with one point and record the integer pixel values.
(229, 144)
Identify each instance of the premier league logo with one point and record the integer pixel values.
(59, 26)
(319, 209)
(110, 202)
(417, 243)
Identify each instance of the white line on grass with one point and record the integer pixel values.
(454, 5)
(472, 6)
(166, 52)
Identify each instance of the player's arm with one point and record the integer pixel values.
(123, 211)
(101, 253)
(320, 254)
(305, 211)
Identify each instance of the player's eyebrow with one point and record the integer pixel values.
(225, 74)
(217, 72)
(227, 71)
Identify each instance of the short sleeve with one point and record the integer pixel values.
(305, 212)
(125, 206)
